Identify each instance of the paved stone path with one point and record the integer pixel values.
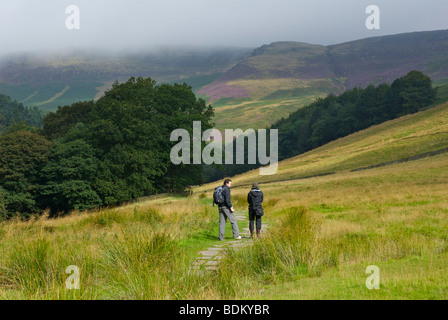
(209, 259)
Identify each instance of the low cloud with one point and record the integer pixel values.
(32, 26)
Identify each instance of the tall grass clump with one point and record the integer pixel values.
(141, 265)
(37, 268)
(105, 218)
(288, 251)
(150, 216)
(239, 200)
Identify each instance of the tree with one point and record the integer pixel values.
(129, 128)
(57, 124)
(126, 138)
(12, 112)
(417, 92)
(366, 106)
(178, 105)
(22, 126)
(22, 156)
(409, 94)
(67, 178)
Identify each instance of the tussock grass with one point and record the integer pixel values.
(132, 252)
(302, 247)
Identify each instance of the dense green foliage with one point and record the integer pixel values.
(130, 128)
(69, 176)
(57, 124)
(13, 112)
(103, 153)
(22, 156)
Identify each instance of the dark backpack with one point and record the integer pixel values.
(218, 196)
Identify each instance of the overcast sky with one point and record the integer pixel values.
(40, 25)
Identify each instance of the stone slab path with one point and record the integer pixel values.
(208, 260)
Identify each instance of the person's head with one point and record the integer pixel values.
(255, 185)
(228, 182)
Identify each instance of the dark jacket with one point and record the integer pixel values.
(226, 193)
(255, 199)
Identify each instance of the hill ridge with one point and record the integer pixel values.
(340, 58)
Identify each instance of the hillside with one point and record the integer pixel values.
(422, 134)
(283, 76)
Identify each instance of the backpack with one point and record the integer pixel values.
(259, 211)
(218, 196)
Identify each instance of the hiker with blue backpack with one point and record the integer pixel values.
(221, 197)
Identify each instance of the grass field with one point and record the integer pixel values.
(268, 101)
(324, 231)
(256, 114)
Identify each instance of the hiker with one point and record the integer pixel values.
(255, 200)
(226, 211)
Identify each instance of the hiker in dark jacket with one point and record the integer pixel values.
(255, 200)
(226, 211)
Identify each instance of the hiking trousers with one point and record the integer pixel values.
(224, 213)
(252, 218)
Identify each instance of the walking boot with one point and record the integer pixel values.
(258, 233)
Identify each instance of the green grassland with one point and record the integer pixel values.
(324, 231)
(268, 102)
(256, 114)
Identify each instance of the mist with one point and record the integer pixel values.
(117, 26)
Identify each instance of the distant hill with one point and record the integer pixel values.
(282, 76)
(51, 81)
(339, 67)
